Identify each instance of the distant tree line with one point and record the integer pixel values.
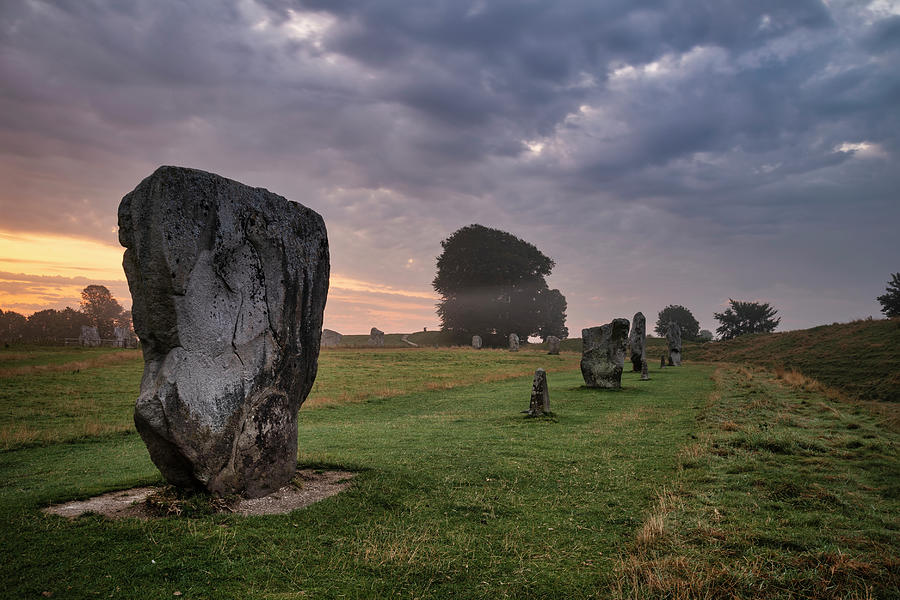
(890, 300)
(740, 318)
(98, 308)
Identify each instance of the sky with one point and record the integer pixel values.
(659, 151)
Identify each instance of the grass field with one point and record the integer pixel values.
(860, 358)
(707, 481)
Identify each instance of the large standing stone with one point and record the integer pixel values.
(331, 338)
(540, 395)
(376, 337)
(637, 340)
(228, 284)
(476, 342)
(603, 354)
(513, 342)
(552, 345)
(673, 340)
(89, 336)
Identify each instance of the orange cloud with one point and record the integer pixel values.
(40, 271)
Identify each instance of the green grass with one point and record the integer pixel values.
(784, 494)
(860, 358)
(60, 395)
(702, 482)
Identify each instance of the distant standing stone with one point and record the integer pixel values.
(89, 337)
(376, 338)
(603, 354)
(513, 342)
(637, 340)
(540, 395)
(330, 338)
(228, 284)
(673, 340)
(552, 345)
(662, 361)
(645, 372)
(476, 342)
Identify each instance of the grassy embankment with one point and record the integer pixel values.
(861, 359)
(703, 482)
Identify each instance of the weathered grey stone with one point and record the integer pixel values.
(540, 395)
(477, 342)
(376, 338)
(662, 361)
(331, 338)
(603, 354)
(228, 284)
(513, 342)
(673, 341)
(645, 372)
(124, 337)
(89, 336)
(552, 345)
(637, 340)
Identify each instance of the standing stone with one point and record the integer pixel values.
(662, 361)
(89, 337)
(552, 345)
(476, 342)
(637, 340)
(121, 335)
(376, 338)
(540, 395)
(673, 340)
(603, 354)
(645, 372)
(513, 342)
(228, 284)
(330, 338)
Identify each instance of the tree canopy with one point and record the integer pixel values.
(101, 308)
(690, 328)
(890, 300)
(98, 308)
(492, 284)
(746, 317)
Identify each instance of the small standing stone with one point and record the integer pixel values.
(540, 395)
(89, 336)
(376, 338)
(637, 340)
(645, 372)
(662, 361)
(330, 338)
(673, 340)
(603, 354)
(513, 342)
(553, 345)
(476, 342)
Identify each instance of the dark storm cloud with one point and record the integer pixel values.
(692, 125)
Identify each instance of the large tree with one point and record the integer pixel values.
(492, 284)
(690, 328)
(890, 300)
(13, 327)
(742, 318)
(101, 308)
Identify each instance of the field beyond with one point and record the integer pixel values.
(707, 481)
